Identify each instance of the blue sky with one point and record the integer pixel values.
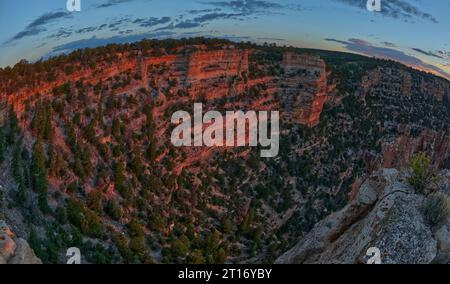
(415, 32)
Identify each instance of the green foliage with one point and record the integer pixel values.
(196, 257)
(135, 228)
(436, 208)
(113, 210)
(41, 123)
(227, 226)
(137, 245)
(121, 243)
(84, 219)
(13, 127)
(422, 173)
(180, 247)
(94, 201)
(2, 144)
(39, 176)
(61, 215)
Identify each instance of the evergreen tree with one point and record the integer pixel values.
(2, 145)
(13, 127)
(39, 176)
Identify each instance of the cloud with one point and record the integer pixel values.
(389, 44)
(441, 54)
(118, 23)
(186, 25)
(110, 3)
(151, 22)
(444, 54)
(270, 39)
(38, 25)
(336, 40)
(60, 34)
(202, 20)
(95, 42)
(86, 30)
(363, 47)
(429, 53)
(397, 9)
(223, 10)
(195, 12)
(247, 6)
(358, 41)
(217, 16)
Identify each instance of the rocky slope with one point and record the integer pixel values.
(385, 214)
(14, 250)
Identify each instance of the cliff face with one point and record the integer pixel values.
(398, 151)
(44, 89)
(401, 82)
(386, 214)
(15, 250)
(211, 74)
(214, 64)
(304, 86)
(405, 101)
(216, 74)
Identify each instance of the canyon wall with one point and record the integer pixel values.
(103, 72)
(209, 74)
(421, 128)
(203, 65)
(304, 86)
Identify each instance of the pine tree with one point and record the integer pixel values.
(13, 127)
(39, 176)
(113, 210)
(2, 145)
(138, 164)
(17, 165)
(94, 201)
(22, 194)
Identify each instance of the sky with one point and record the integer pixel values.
(414, 32)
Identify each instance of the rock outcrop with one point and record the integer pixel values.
(398, 151)
(385, 214)
(215, 64)
(304, 86)
(15, 250)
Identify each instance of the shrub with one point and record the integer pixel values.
(422, 173)
(436, 208)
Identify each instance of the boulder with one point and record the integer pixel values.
(385, 214)
(15, 250)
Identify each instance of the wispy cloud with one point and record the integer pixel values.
(441, 54)
(389, 44)
(247, 6)
(217, 16)
(364, 47)
(429, 53)
(110, 3)
(38, 25)
(151, 22)
(238, 10)
(202, 20)
(397, 9)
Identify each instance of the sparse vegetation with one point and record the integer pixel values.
(436, 208)
(422, 173)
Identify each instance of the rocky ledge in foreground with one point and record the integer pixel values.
(15, 250)
(387, 214)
